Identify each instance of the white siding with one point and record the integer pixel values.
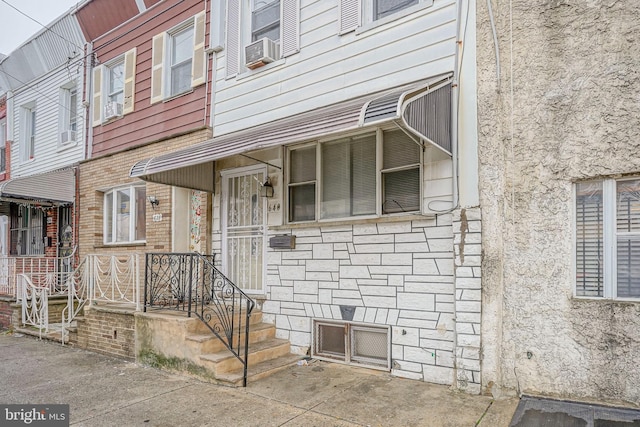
(49, 154)
(331, 68)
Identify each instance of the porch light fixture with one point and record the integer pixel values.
(266, 189)
(154, 201)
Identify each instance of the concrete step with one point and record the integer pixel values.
(197, 326)
(209, 343)
(259, 370)
(224, 361)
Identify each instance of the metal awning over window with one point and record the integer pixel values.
(423, 108)
(55, 187)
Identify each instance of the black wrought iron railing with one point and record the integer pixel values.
(190, 282)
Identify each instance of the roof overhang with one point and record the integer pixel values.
(50, 188)
(423, 108)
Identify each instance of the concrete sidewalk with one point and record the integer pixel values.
(103, 391)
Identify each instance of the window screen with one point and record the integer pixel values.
(401, 173)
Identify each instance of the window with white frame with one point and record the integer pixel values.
(265, 20)
(68, 113)
(3, 146)
(354, 13)
(178, 59)
(28, 230)
(125, 215)
(607, 245)
(383, 8)
(114, 88)
(258, 32)
(181, 55)
(28, 128)
(365, 175)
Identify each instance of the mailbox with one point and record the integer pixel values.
(285, 241)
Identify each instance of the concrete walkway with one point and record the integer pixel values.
(103, 391)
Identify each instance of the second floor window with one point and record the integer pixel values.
(125, 215)
(28, 128)
(113, 88)
(265, 19)
(178, 59)
(115, 84)
(384, 8)
(3, 147)
(181, 46)
(68, 114)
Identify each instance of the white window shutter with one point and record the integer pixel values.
(349, 15)
(198, 65)
(96, 98)
(129, 81)
(233, 37)
(157, 72)
(290, 27)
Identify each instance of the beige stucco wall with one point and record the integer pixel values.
(566, 108)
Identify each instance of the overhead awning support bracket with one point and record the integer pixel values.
(261, 161)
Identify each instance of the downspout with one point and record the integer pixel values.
(88, 151)
(455, 98)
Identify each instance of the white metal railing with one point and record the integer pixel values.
(98, 278)
(114, 278)
(12, 266)
(35, 307)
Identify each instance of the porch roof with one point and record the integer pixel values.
(423, 108)
(55, 187)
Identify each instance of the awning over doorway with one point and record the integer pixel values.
(423, 108)
(55, 187)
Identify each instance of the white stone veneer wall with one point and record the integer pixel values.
(394, 273)
(468, 290)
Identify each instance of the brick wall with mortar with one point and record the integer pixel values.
(107, 331)
(98, 175)
(107, 172)
(6, 312)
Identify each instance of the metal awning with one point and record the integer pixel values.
(193, 167)
(55, 187)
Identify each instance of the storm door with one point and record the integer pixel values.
(244, 228)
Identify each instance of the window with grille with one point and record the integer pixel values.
(607, 244)
(352, 343)
(28, 230)
(346, 178)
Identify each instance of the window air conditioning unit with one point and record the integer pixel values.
(261, 52)
(68, 136)
(112, 110)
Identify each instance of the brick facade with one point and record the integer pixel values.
(107, 331)
(107, 172)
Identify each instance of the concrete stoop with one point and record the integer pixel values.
(173, 341)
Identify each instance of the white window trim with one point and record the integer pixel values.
(367, 15)
(189, 23)
(28, 130)
(379, 162)
(132, 210)
(3, 143)
(65, 114)
(610, 236)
